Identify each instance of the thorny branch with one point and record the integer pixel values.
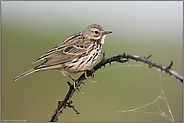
(118, 58)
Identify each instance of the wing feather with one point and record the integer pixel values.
(64, 53)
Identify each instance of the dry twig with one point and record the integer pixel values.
(118, 58)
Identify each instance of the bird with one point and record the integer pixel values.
(75, 54)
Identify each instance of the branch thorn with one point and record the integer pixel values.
(69, 84)
(68, 104)
(170, 65)
(103, 55)
(125, 54)
(148, 56)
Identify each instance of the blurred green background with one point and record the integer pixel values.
(30, 29)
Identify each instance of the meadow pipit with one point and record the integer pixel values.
(75, 54)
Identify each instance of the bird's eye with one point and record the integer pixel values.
(96, 32)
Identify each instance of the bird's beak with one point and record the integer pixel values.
(107, 32)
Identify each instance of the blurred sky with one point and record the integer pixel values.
(31, 28)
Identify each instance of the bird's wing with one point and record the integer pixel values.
(65, 52)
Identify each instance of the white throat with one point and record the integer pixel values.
(103, 39)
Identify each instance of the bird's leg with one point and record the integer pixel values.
(85, 70)
(73, 80)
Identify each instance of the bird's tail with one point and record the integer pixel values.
(26, 73)
(38, 68)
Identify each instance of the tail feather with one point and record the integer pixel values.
(26, 73)
(38, 68)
